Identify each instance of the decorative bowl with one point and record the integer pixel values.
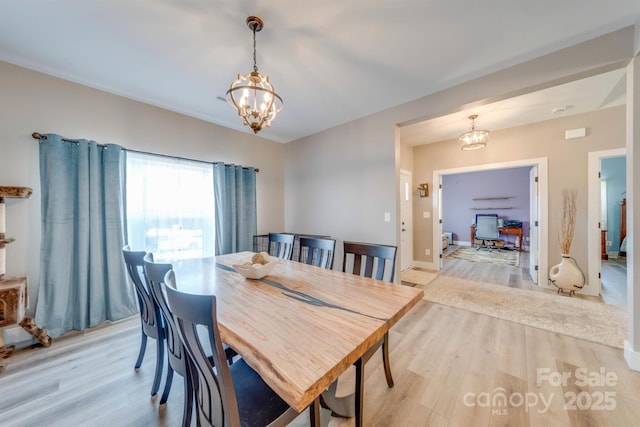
(256, 271)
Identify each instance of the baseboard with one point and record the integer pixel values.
(424, 264)
(631, 356)
(547, 285)
(16, 336)
(588, 290)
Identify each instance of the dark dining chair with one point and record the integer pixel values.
(317, 251)
(281, 245)
(176, 353)
(151, 320)
(227, 395)
(379, 264)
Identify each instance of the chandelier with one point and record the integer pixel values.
(252, 94)
(474, 139)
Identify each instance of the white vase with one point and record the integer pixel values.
(567, 276)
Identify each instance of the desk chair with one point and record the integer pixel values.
(227, 395)
(150, 318)
(317, 251)
(383, 258)
(487, 231)
(281, 245)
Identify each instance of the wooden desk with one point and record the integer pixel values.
(503, 230)
(300, 327)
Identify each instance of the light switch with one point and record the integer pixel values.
(387, 217)
(426, 214)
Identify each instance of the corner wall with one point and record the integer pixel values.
(567, 169)
(32, 101)
(341, 181)
(632, 344)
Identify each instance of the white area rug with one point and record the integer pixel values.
(418, 277)
(588, 320)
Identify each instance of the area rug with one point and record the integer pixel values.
(418, 277)
(502, 257)
(579, 318)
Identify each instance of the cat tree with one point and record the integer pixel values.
(13, 290)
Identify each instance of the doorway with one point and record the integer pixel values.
(406, 221)
(607, 194)
(538, 219)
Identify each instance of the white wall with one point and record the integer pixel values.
(341, 181)
(342, 186)
(567, 160)
(338, 182)
(32, 101)
(632, 344)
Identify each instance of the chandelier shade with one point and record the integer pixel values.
(475, 138)
(252, 94)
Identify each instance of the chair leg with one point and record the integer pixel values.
(167, 384)
(231, 353)
(159, 363)
(359, 392)
(188, 401)
(385, 360)
(143, 348)
(314, 413)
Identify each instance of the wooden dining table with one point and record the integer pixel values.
(301, 326)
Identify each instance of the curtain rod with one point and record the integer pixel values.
(38, 135)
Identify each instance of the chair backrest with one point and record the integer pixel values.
(316, 251)
(487, 226)
(214, 390)
(281, 245)
(382, 257)
(155, 275)
(149, 310)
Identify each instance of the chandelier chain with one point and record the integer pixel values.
(255, 66)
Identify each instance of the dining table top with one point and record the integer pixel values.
(301, 326)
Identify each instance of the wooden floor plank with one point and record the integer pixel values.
(439, 355)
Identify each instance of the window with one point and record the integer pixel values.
(170, 208)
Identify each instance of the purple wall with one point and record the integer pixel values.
(459, 190)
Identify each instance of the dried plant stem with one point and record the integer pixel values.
(568, 224)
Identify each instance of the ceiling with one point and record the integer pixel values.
(581, 96)
(331, 61)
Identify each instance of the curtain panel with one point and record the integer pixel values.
(236, 213)
(83, 280)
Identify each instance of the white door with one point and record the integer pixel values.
(533, 223)
(406, 221)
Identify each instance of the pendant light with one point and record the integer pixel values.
(252, 94)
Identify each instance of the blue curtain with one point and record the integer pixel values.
(236, 217)
(83, 282)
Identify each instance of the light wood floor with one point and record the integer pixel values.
(444, 360)
(614, 281)
(514, 277)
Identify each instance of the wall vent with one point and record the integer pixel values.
(575, 133)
